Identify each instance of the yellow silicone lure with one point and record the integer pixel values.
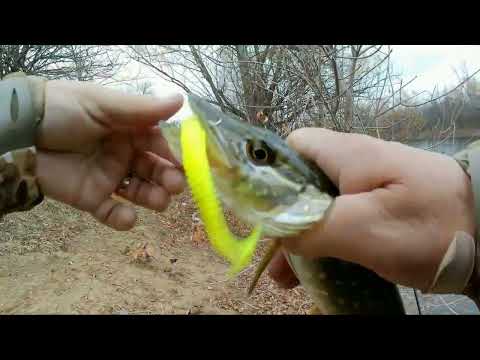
(238, 252)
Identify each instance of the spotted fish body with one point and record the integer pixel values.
(342, 288)
(286, 195)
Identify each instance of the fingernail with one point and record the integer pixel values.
(172, 97)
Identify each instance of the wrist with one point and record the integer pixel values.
(470, 162)
(459, 271)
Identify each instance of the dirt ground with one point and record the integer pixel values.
(57, 260)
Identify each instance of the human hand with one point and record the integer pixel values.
(398, 211)
(92, 138)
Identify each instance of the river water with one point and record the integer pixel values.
(449, 147)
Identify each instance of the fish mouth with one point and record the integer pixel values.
(216, 125)
(212, 121)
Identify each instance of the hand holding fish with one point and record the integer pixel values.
(399, 209)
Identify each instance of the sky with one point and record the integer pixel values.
(432, 64)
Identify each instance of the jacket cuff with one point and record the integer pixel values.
(22, 105)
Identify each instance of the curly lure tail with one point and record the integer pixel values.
(238, 252)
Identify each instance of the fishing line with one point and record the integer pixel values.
(418, 303)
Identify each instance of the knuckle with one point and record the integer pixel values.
(161, 202)
(296, 136)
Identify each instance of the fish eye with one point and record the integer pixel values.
(259, 153)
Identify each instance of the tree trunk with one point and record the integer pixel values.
(349, 88)
(247, 83)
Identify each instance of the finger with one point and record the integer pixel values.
(115, 214)
(354, 162)
(115, 156)
(152, 140)
(280, 271)
(160, 171)
(355, 229)
(117, 110)
(144, 194)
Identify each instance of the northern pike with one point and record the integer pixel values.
(264, 181)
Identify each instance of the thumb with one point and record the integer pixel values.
(90, 112)
(354, 162)
(118, 111)
(361, 166)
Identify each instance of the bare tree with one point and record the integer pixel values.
(141, 87)
(244, 80)
(74, 62)
(350, 88)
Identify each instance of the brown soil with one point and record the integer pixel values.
(55, 259)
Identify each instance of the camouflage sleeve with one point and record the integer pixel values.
(19, 189)
(21, 110)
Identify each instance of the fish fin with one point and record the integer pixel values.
(271, 250)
